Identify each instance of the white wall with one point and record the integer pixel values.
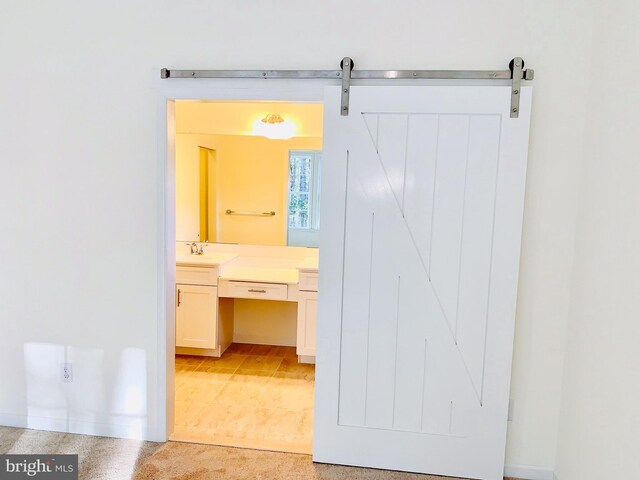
(600, 421)
(80, 178)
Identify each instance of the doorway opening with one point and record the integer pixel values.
(247, 203)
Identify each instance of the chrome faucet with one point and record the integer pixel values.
(195, 250)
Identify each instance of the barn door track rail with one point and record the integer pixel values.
(516, 73)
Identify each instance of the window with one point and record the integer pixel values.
(304, 197)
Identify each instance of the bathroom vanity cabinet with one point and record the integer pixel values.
(196, 307)
(208, 285)
(196, 316)
(307, 313)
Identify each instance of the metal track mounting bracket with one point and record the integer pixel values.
(516, 73)
(347, 66)
(516, 66)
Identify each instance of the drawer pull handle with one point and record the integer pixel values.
(254, 290)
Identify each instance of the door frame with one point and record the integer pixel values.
(167, 93)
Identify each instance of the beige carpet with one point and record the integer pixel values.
(115, 459)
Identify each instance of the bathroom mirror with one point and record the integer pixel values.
(235, 185)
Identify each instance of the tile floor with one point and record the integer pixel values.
(255, 396)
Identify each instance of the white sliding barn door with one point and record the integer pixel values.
(422, 199)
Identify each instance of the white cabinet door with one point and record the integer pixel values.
(307, 320)
(422, 200)
(196, 316)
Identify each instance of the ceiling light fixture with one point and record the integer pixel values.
(275, 127)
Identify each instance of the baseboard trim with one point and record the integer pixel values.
(132, 430)
(309, 359)
(525, 472)
(261, 340)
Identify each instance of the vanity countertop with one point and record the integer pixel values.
(261, 274)
(309, 264)
(206, 260)
(249, 269)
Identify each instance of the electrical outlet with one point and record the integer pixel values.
(510, 414)
(66, 372)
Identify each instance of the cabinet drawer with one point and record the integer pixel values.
(197, 275)
(308, 282)
(263, 291)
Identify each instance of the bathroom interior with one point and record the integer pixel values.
(247, 229)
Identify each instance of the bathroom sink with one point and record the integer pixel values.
(206, 259)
